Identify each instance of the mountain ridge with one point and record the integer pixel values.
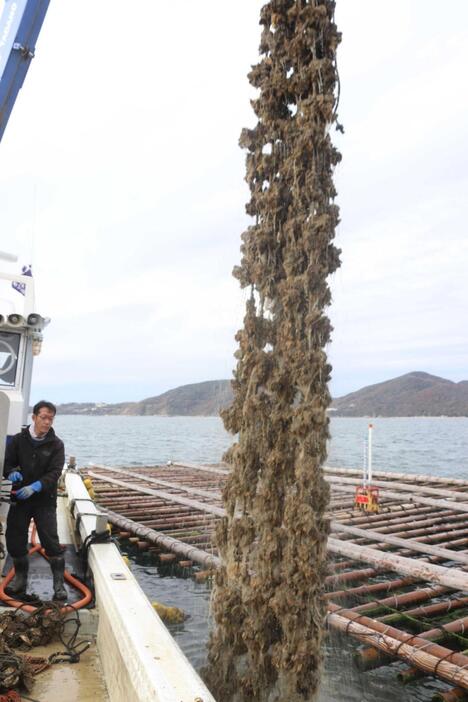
(204, 399)
(410, 395)
(414, 394)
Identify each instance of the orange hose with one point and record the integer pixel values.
(77, 584)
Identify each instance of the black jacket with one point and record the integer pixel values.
(42, 461)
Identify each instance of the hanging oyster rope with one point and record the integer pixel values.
(267, 604)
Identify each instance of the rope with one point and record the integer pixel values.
(102, 537)
(15, 671)
(74, 648)
(25, 630)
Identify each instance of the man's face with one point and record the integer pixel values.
(43, 420)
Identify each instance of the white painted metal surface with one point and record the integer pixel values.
(140, 659)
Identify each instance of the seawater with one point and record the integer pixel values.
(429, 445)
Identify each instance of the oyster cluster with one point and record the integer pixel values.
(22, 631)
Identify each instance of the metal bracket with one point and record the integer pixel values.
(25, 52)
(118, 576)
(101, 520)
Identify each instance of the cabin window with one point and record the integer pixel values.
(9, 352)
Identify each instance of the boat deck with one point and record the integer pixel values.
(66, 681)
(73, 682)
(398, 580)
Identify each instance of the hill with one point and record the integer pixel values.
(410, 395)
(414, 394)
(198, 399)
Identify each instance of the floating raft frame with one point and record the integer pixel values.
(398, 580)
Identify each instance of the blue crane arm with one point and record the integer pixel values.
(20, 24)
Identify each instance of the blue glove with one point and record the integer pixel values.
(25, 492)
(15, 476)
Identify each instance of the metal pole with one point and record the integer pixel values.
(369, 454)
(364, 464)
(27, 377)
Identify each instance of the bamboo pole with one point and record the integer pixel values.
(157, 481)
(426, 662)
(408, 544)
(386, 586)
(413, 477)
(386, 518)
(426, 610)
(336, 566)
(410, 675)
(428, 535)
(444, 492)
(208, 469)
(451, 544)
(397, 601)
(440, 631)
(451, 577)
(204, 558)
(430, 657)
(368, 659)
(410, 497)
(352, 576)
(167, 525)
(387, 512)
(430, 524)
(194, 504)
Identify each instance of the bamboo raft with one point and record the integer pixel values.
(398, 579)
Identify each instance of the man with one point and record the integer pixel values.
(33, 463)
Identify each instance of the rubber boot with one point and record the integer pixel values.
(57, 565)
(18, 585)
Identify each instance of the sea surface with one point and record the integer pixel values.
(428, 445)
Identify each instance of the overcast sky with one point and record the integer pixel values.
(121, 181)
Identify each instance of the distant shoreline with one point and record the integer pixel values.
(416, 394)
(217, 416)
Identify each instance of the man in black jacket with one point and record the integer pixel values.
(33, 462)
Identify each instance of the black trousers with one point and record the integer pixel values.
(45, 517)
